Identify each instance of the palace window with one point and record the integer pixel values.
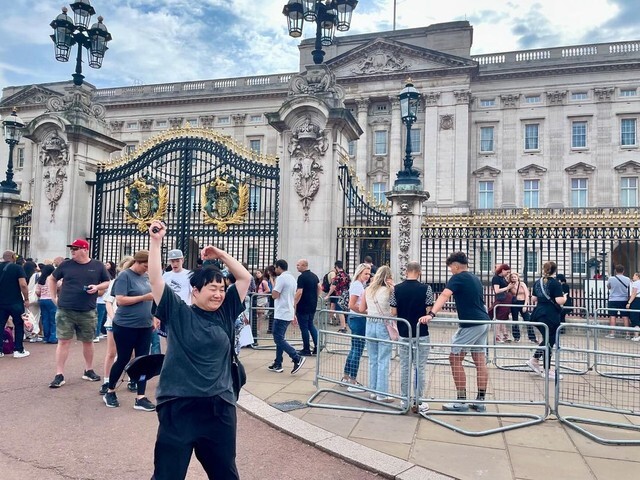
(416, 144)
(254, 198)
(132, 125)
(532, 193)
(579, 134)
(629, 192)
(252, 257)
(579, 96)
(488, 102)
(223, 120)
(378, 192)
(20, 158)
(531, 136)
(533, 99)
(485, 194)
(578, 263)
(381, 107)
(255, 119)
(255, 145)
(579, 192)
(486, 139)
(628, 92)
(380, 142)
(161, 123)
(192, 122)
(130, 148)
(352, 148)
(531, 261)
(486, 263)
(628, 132)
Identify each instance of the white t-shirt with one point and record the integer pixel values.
(356, 288)
(283, 306)
(635, 285)
(179, 283)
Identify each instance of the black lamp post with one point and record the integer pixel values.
(329, 15)
(408, 177)
(12, 133)
(68, 33)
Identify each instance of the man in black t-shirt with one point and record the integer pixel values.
(468, 295)
(306, 301)
(410, 300)
(13, 301)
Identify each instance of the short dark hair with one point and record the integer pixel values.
(368, 259)
(458, 257)
(204, 276)
(619, 268)
(338, 264)
(561, 278)
(282, 264)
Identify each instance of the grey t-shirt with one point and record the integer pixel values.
(131, 284)
(75, 276)
(197, 362)
(619, 288)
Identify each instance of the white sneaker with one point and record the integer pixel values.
(385, 399)
(552, 375)
(534, 365)
(35, 339)
(353, 388)
(611, 335)
(635, 339)
(22, 354)
(96, 340)
(423, 407)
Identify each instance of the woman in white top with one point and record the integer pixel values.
(357, 324)
(634, 304)
(376, 303)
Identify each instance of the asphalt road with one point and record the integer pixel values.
(68, 433)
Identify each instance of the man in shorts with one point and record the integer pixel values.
(468, 295)
(619, 287)
(82, 278)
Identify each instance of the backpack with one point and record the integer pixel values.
(8, 344)
(343, 301)
(326, 286)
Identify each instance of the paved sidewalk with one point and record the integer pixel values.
(411, 447)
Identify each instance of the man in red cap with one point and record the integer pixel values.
(82, 278)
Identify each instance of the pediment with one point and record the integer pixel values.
(580, 168)
(30, 96)
(382, 57)
(628, 167)
(486, 172)
(532, 170)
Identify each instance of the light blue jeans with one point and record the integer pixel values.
(420, 347)
(379, 356)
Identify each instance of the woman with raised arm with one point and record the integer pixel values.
(196, 403)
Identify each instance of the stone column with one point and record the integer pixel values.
(396, 147)
(10, 204)
(362, 150)
(556, 119)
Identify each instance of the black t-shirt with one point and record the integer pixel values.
(197, 362)
(75, 277)
(411, 299)
(308, 282)
(552, 287)
(468, 295)
(501, 282)
(11, 274)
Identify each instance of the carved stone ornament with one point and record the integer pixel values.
(74, 101)
(145, 201)
(207, 121)
(238, 118)
(381, 62)
(446, 122)
(146, 123)
(54, 155)
(462, 96)
(604, 94)
(225, 202)
(175, 122)
(510, 100)
(318, 80)
(557, 97)
(116, 125)
(404, 238)
(308, 144)
(431, 99)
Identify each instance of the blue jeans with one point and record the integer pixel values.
(15, 311)
(279, 331)
(102, 316)
(379, 356)
(155, 342)
(48, 311)
(305, 322)
(358, 326)
(420, 346)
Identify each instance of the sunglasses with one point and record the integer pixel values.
(74, 249)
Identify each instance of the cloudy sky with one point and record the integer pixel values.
(158, 41)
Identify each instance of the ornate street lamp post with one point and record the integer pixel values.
(408, 178)
(68, 33)
(12, 133)
(328, 15)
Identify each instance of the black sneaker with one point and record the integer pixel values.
(298, 365)
(275, 368)
(111, 400)
(314, 351)
(58, 381)
(91, 376)
(132, 386)
(305, 353)
(104, 388)
(144, 404)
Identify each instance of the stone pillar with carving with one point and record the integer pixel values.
(362, 157)
(396, 146)
(316, 129)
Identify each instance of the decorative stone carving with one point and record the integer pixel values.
(532, 170)
(175, 122)
(381, 62)
(462, 96)
(238, 118)
(146, 123)
(54, 155)
(431, 99)
(363, 104)
(404, 238)
(308, 144)
(557, 97)
(207, 121)
(510, 100)
(580, 168)
(116, 125)
(604, 93)
(318, 80)
(628, 167)
(74, 101)
(446, 122)
(486, 172)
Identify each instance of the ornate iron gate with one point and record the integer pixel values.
(204, 186)
(365, 226)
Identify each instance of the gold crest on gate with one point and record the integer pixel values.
(224, 202)
(145, 201)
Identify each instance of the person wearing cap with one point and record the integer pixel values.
(83, 278)
(178, 277)
(132, 326)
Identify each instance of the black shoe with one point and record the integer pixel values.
(275, 368)
(298, 365)
(91, 376)
(132, 386)
(144, 404)
(58, 381)
(104, 388)
(314, 351)
(111, 400)
(305, 353)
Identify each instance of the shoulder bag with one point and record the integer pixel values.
(392, 327)
(546, 295)
(238, 373)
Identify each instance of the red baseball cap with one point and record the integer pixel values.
(80, 243)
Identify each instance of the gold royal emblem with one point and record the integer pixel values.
(145, 201)
(224, 202)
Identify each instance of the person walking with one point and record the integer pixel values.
(82, 278)
(48, 309)
(619, 287)
(468, 295)
(14, 301)
(283, 294)
(520, 296)
(306, 302)
(502, 289)
(339, 284)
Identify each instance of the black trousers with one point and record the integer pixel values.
(206, 425)
(127, 341)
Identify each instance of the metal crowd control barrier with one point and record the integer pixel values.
(617, 395)
(510, 393)
(611, 360)
(261, 321)
(343, 395)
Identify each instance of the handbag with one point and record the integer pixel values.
(238, 373)
(392, 326)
